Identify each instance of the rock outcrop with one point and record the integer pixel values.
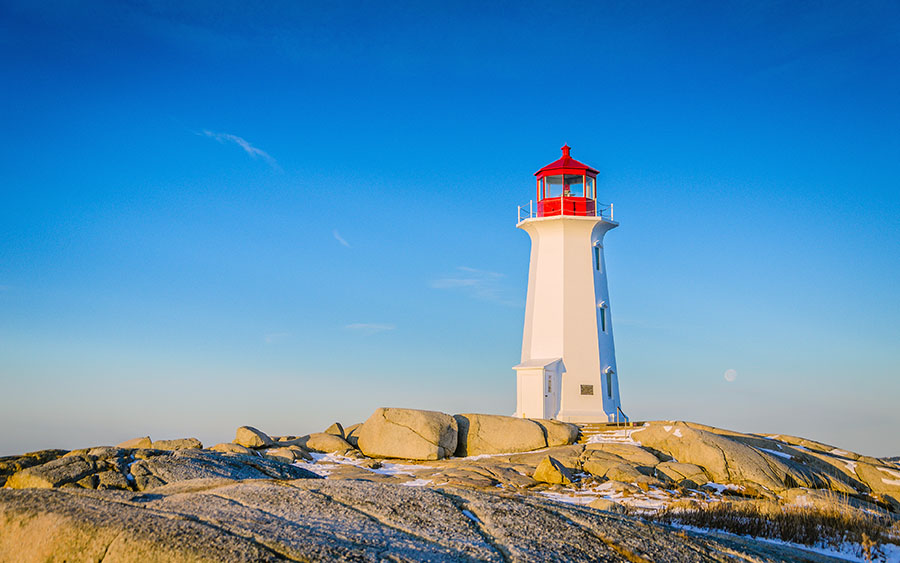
(317, 520)
(408, 434)
(250, 437)
(553, 472)
(144, 469)
(494, 434)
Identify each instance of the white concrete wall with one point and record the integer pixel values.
(561, 312)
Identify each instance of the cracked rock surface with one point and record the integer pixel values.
(323, 520)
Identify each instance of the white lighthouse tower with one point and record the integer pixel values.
(568, 369)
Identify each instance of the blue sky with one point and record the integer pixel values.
(282, 215)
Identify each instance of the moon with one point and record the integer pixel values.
(730, 375)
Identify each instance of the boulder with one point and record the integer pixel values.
(633, 454)
(558, 433)
(607, 505)
(598, 463)
(135, 443)
(724, 459)
(686, 474)
(495, 434)
(335, 430)
(284, 455)
(553, 472)
(62, 471)
(250, 437)
(881, 479)
(351, 434)
(324, 443)
(13, 464)
(230, 448)
(408, 434)
(112, 480)
(180, 444)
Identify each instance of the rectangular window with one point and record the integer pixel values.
(587, 389)
(549, 388)
(597, 258)
(553, 186)
(574, 186)
(609, 384)
(589, 188)
(603, 319)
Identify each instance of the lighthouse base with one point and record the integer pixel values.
(585, 416)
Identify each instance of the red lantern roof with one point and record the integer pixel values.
(566, 165)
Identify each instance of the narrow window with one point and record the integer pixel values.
(587, 389)
(549, 388)
(609, 384)
(597, 258)
(603, 319)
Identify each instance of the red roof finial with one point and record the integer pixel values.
(565, 149)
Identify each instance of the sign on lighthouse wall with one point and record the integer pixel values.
(568, 367)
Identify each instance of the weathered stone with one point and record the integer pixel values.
(558, 433)
(111, 480)
(335, 430)
(553, 472)
(598, 463)
(495, 434)
(300, 453)
(623, 472)
(53, 473)
(12, 464)
(681, 472)
(351, 434)
(309, 520)
(408, 434)
(607, 505)
(881, 479)
(135, 443)
(183, 465)
(724, 460)
(634, 455)
(284, 455)
(324, 443)
(86, 482)
(180, 444)
(250, 437)
(228, 447)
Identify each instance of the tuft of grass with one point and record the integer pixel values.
(797, 524)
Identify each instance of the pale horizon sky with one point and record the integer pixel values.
(283, 215)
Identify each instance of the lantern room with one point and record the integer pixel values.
(566, 187)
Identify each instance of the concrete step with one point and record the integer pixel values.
(588, 429)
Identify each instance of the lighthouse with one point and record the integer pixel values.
(568, 368)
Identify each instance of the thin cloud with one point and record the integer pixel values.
(275, 337)
(340, 239)
(481, 284)
(370, 328)
(244, 144)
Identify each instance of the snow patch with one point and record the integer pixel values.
(471, 516)
(417, 483)
(615, 437)
(847, 551)
(677, 433)
(779, 454)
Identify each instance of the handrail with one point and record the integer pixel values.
(619, 411)
(604, 211)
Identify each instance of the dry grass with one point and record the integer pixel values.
(803, 525)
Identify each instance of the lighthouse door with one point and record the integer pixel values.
(551, 391)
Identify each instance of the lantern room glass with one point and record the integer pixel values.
(553, 186)
(574, 185)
